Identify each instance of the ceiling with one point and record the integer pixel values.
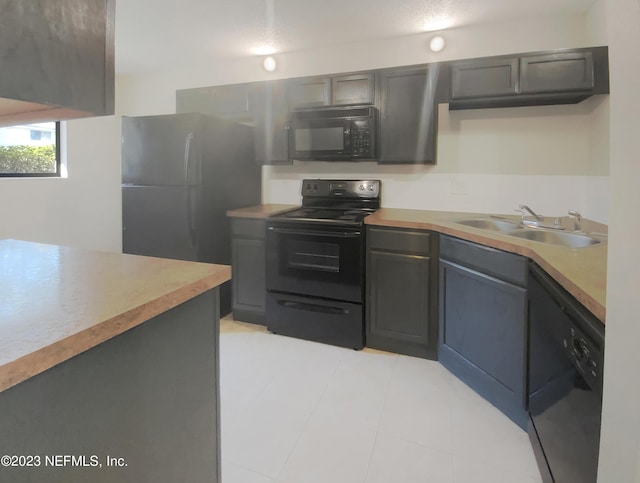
(152, 35)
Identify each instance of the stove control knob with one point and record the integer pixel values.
(371, 187)
(361, 187)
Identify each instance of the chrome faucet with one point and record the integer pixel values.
(578, 219)
(524, 208)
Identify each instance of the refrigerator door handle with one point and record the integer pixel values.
(188, 187)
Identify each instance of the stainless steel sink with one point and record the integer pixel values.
(570, 240)
(540, 235)
(493, 225)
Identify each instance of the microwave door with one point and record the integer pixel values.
(328, 139)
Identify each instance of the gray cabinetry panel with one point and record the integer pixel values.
(149, 395)
(59, 55)
(248, 260)
(486, 77)
(483, 320)
(309, 92)
(408, 124)
(401, 299)
(571, 71)
(355, 89)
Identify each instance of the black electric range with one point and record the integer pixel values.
(316, 263)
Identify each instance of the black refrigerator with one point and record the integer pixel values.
(180, 174)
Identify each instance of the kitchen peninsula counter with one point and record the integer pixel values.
(260, 211)
(104, 354)
(582, 271)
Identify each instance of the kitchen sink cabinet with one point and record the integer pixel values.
(248, 258)
(483, 322)
(408, 100)
(555, 77)
(337, 90)
(57, 60)
(401, 284)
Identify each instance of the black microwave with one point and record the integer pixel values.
(333, 134)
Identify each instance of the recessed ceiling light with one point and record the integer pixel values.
(263, 50)
(269, 64)
(437, 43)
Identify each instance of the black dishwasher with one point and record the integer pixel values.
(566, 354)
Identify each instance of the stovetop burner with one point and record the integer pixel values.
(344, 202)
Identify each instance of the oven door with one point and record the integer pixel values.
(319, 261)
(317, 139)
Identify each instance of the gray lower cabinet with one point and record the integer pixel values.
(401, 280)
(483, 322)
(248, 269)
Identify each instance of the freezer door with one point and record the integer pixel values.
(160, 221)
(162, 150)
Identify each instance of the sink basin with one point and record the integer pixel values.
(493, 225)
(570, 240)
(540, 235)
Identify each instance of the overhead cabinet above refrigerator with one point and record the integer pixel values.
(180, 174)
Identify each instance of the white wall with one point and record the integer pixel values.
(620, 443)
(83, 209)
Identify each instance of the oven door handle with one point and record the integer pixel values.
(312, 307)
(337, 234)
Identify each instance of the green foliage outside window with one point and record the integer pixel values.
(28, 159)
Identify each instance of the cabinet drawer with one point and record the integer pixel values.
(506, 266)
(248, 227)
(417, 242)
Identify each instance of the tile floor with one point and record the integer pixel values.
(300, 412)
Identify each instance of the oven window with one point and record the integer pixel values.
(313, 255)
(320, 139)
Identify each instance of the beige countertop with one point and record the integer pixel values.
(56, 302)
(582, 271)
(260, 211)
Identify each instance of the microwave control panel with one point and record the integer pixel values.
(363, 143)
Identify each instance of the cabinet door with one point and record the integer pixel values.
(484, 78)
(228, 102)
(231, 101)
(356, 89)
(269, 109)
(248, 270)
(569, 71)
(408, 124)
(399, 302)
(309, 92)
(483, 336)
(194, 100)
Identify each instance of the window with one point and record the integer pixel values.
(30, 150)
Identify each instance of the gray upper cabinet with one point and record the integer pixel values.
(571, 71)
(57, 60)
(555, 77)
(227, 101)
(270, 114)
(309, 92)
(355, 89)
(338, 90)
(480, 78)
(262, 105)
(408, 100)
